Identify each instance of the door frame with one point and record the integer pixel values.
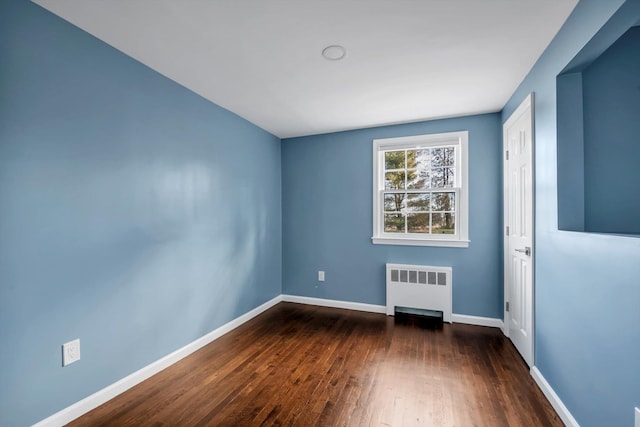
(529, 101)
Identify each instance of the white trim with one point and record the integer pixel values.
(478, 321)
(456, 318)
(553, 398)
(85, 405)
(358, 306)
(526, 103)
(420, 242)
(418, 141)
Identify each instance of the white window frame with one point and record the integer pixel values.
(461, 238)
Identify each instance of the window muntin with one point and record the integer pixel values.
(419, 190)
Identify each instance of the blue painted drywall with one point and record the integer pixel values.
(611, 91)
(327, 218)
(587, 317)
(570, 152)
(134, 214)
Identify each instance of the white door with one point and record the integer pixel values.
(518, 218)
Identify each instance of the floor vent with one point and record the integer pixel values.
(419, 286)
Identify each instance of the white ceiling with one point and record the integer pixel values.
(407, 60)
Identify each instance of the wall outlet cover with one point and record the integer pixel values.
(70, 352)
(637, 417)
(321, 276)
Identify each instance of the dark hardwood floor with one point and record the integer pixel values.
(298, 365)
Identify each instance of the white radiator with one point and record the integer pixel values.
(419, 286)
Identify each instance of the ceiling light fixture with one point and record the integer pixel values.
(334, 52)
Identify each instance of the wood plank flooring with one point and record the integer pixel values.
(298, 365)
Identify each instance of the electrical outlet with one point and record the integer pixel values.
(637, 417)
(320, 276)
(70, 352)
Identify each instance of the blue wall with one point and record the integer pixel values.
(327, 218)
(611, 91)
(570, 152)
(134, 214)
(587, 285)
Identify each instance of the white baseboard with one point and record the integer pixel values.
(477, 320)
(85, 405)
(457, 318)
(358, 306)
(504, 328)
(98, 398)
(553, 398)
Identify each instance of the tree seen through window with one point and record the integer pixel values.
(415, 184)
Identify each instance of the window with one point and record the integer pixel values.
(420, 190)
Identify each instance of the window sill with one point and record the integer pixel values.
(420, 242)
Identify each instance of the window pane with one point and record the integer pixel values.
(418, 202)
(394, 223)
(421, 177)
(394, 180)
(443, 223)
(411, 177)
(418, 179)
(394, 202)
(411, 159)
(443, 156)
(418, 223)
(394, 160)
(443, 177)
(443, 201)
(423, 158)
